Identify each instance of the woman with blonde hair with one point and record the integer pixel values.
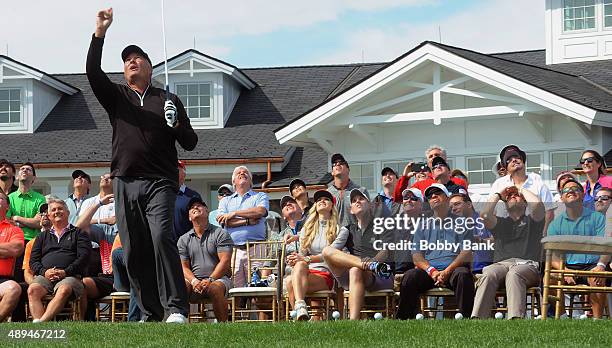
(309, 272)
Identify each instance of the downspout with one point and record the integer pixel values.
(269, 178)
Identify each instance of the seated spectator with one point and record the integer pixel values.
(594, 167)
(81, 183)
(297, 190)
(412, 207)
(499, 170)
(417, 171)
(457, 173)
(341, 187)
(581, 221)
(121, 281)
(98, 280)
(363, 269)
(440, 172)
(206, 253)
(516, 255)
(223, 191)
(389, 181)
(58, 260)
(602, 205)
(461, 205)
(438, 266)
(11, 246)
(292, 213)
(309, 271)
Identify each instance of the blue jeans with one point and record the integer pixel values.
(122, 283)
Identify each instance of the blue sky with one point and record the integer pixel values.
(54, 35)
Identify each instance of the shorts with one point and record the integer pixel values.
(104, 284)
(372, 283)
(329, 279)
(195, 297)
(75, 283)
(585, 267)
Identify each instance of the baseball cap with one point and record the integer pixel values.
(134, 49)
(225, 186)
(509, 151)
(286, 199)
(563, 175)
(324, 193)
(387, 170)
(439, 160)
(415, 192)
(433, 187)
(361, 191)
(43, 208)
(296, 182)
(193, 201)
(4, 161)
(79, 173)
(337, 157)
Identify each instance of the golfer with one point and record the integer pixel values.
(144, 165)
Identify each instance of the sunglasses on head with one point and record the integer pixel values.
(571, 189)
(587, 160)
(602, 198)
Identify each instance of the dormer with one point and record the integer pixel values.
(208, 87)
(578, 30)
(27, 95)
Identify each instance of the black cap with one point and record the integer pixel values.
(295, 182)
(387, 170)
(79, 173)
(438, 160)
(43, 208)
(194, 200)
(337, 157)
(133, 48)
(4, 161)
(509, 151)
(324, 193)
(286, 199)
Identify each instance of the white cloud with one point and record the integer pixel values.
(495, 26)
(54, 35)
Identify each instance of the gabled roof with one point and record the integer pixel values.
(36, 74)
(213, 62)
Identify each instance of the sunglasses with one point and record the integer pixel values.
(603, 198)
(411, 198)
(571, 189)
(587, 160)
(339, 163)
(512, 159)
(225, 194)
(439, 165)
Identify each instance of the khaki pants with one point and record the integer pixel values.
(517, 275)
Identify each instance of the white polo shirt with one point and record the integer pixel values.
(534, 184)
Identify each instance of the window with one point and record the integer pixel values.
(196, 98)
(363, 175)
(479, 169)
(534, 163)
(10, 106)
(578, 14)
(561, 161)
(607, 13)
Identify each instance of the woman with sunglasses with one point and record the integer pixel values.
(594, 168)
(309, 272)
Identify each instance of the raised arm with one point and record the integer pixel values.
(101, 85)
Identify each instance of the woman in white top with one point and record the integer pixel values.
(309, 272)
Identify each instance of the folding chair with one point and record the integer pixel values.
(71, 310)
(321, 309)
(381, 301)
(248, 301)
(532, 304)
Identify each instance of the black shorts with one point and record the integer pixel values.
(104, 283)
(585, 267)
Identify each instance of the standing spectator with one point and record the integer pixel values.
(363, 269)
(297, 190)
(181, 211)
(389, 181)
(7, 176)
(11, 246)
(223, 191)
(581, 221)
(104, 215)
(440, 172)
(243, 216)
(594, 167)
(341, 187)
(514, 160)
(58, 260)
(516, 255)
(81, 183)
(309, 272)
(448, 267)
(206, 253)
(147, 123)
(461, 205)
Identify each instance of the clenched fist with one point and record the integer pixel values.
(104, 19)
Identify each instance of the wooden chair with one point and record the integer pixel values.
(381, 301)
(251, 301)
(71, 311)
(118, 304)
(533, 303)
(319, 304)
(436, 294)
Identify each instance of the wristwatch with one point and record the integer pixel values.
(211, 279)
(307, 259)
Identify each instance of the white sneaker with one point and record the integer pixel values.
(177, 318)
(36, 321)
(301, 311)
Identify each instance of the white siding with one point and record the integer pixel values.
(45, 98)
(231, 92)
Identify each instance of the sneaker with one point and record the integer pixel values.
(380, 269)
(177, 318)
(301, 311)
(37, 321)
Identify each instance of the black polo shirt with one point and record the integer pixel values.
(517, 239)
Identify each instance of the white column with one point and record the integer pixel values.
(59, 188)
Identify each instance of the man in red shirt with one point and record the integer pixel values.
(11, 246)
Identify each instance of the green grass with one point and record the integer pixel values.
(385, 333)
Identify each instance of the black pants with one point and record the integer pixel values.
(416, 281)
(145, 213)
